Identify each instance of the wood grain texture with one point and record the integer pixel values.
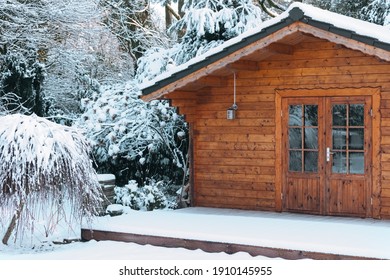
(247, 153)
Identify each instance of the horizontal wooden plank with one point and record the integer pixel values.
(385, 212)
(244, 94)
(261, 130)
(385, 140)
(234, 177)
(232, 202)
(385, 166)
(234, 146)
(385, 111)
(242, 113)
(238, 169)
(223, 105)
(385, 149)
(236, 122)
(325, 70)
(385, 193)
(224, 184)
(385, 157)
(234, 161)
(375, 80)
(312, 53)
(255, 155)
(385, 130)
(235, 193)
(318, 62)
(317, 44)
(236, 138)
(385, 201)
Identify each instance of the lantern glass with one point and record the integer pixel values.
(231, 114)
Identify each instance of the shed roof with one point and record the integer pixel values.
(300, 18)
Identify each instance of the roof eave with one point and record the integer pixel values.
(348, 38)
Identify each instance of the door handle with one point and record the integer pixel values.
(328, 153)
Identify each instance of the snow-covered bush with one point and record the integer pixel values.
(45, 168)
(133, 139)
(148, 197)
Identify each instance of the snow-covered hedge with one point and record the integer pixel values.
(149, 197)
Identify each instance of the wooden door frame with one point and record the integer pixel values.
(374, 92)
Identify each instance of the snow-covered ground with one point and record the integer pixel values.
(336, 235)
(39, 247)
(363, 237)
(111, 250)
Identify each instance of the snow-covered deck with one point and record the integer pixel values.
(286, 235)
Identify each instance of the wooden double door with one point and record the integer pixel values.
(326, 155)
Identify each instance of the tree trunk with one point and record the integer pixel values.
(13, 223)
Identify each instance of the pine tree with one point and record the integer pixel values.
(208, 23)
(377, 12)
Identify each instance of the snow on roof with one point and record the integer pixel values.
(351, 25)
(364, 28)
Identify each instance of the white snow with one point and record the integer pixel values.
(106, 177)
(111, 250)
(336, 235)
(358, 26)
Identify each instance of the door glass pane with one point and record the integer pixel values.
(295, 138)
(339, 114)
(303, 138)
(356, 163)
(356, 115)
(339, 138)
(311, 138)
(295, 161)
(311, 161)
(356, 138)
(339, 162)
(295, 115)
(311, 115)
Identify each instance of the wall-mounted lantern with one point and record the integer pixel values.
(231, 112)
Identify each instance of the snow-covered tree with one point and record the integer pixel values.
(44, 165)
(22, 43)
(21, 78)
(134, 139)
(348, 8)
(132, 23)
(205, 24)
(67, 40)
(208, 23)
(83, 55)
(377, 12)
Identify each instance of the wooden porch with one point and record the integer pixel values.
(275, 235)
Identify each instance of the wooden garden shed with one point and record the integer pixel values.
(310, 132)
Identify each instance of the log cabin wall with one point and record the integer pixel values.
(234, 160)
